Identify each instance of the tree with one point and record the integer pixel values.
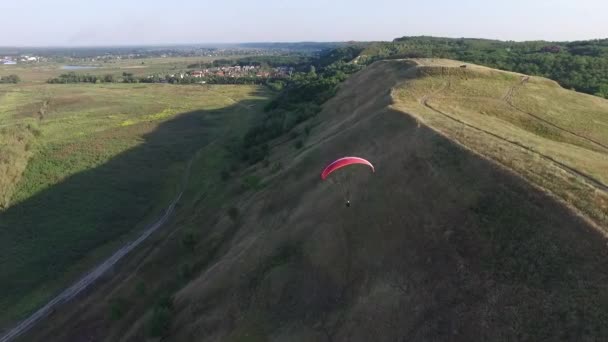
(603, 91)
(10, 79)
(312, 72)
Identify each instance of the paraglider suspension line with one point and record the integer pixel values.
(344, 182)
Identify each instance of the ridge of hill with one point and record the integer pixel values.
(465, 232)
(556, 138)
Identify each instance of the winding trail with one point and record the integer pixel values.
(97, 272)
(508, 98)
(595, 182)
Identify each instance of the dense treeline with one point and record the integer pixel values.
(72, 77)
(582, 66)
(300, 99)
(172, 79)
(10, 79)
(263, 61)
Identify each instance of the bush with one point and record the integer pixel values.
(276, 167)
(298, 144)
(307, 130)
(233, 213)
(252, 182)
(159, 323)
(140, 288)
(10, 79)
(189, 240)
(118, 307)
(225, 174)
(186, 271)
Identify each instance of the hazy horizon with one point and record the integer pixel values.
(70, 23)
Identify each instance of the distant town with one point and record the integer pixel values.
(243, 71)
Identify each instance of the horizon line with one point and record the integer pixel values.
(126, 45)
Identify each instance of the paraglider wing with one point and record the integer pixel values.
(342, 162)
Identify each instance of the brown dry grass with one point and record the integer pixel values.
(440, 243)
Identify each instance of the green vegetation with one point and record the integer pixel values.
(524, 123)
(138, 67)
(160, 321)
(300, 99)
(233, 213)
(286, 258)
(263, 61)
(10, 79)
(86, 166)
(581, 65)
(72, 77)
(118, 307)
(127, 77)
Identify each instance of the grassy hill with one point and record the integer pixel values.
(41, 72)
(580, 65)
(485, 220)
(556, 138)
(83, 167)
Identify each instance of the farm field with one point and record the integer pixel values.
(41, 72)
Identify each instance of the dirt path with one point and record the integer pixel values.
(596, 183)
(508, 98)
(94, 275)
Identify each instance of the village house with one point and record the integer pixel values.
(196, 74)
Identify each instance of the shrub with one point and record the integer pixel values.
(140, 288)
(307, 130)
(118, 307)
(159, 322)
(186, 271)
(189, 240)
(252, 182)
(276, 167)
(233, 213)
(225, 174)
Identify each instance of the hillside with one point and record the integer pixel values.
(485, 220)
(85, 167)
(579, 65)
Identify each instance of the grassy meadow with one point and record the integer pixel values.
(41, 72)
(85, 166)
(555, 137)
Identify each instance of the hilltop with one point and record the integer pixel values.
(485, 220)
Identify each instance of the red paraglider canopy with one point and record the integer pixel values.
(342, 162)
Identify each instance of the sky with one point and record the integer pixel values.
(126, 22)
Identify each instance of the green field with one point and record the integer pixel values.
(84, 166)
(41, 72)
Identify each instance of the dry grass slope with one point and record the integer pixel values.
(441, 243)
(83, 167)
(448, 240)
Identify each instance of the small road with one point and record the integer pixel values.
(94, 275)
